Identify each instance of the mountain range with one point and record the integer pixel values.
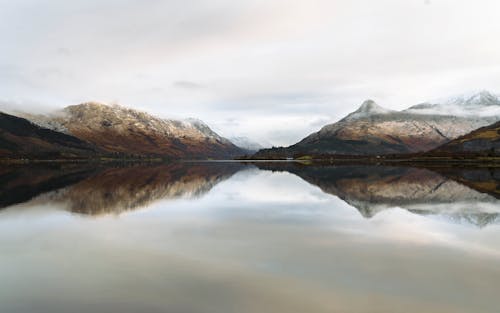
(117, 129)
(465, 125)
(91, 129)
(374, 130)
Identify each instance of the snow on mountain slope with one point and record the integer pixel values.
(372, 129)
(118, 129)
(482, 103)
(367, 109)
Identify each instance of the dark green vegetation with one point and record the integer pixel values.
(481, 147)
(373, 130)
(122, 131)
(371, 135)
(484, 141)
(20, 139)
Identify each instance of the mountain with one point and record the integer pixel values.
(373, 129)
(484, 141)
(367, 109)
(482, 103)
(117, 129)
(246, 143)
(19, 138)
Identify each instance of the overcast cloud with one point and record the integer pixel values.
(271, 70)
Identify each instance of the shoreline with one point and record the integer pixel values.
(309, 161)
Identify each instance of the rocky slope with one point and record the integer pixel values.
(375, 130)
(19, 138)
(117, 129)
(483, 141)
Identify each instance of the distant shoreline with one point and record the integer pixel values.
(86, 161)
(425, 161)
(417, 161)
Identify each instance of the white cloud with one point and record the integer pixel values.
(292, 61)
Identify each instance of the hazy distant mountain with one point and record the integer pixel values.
(482, 103)
(246, 143)
(118, 129)
(372, 129)
(485, 140)
(19, 138)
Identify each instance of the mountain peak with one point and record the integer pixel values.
(484, 97)
(367, 108)
(482, 103)
(479, 99)
(118, 129)
(88, 105)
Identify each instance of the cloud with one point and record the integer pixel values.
(187, 85)
(64, 52)
(251, 60)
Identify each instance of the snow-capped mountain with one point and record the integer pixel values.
(372, 129)
(117, 129)
(367, 109)
(482, 103)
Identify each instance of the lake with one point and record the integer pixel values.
(265, 237)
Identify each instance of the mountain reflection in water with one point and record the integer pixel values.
(470, 195)
(105, 190)
(264, 237)
(459, 194)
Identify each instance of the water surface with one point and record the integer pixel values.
(229, 237)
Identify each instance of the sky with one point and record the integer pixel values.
(270, 70)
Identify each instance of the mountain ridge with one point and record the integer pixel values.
(485, 141)
(20, 138)
(117, 129)
(374, 130)
(482, 103)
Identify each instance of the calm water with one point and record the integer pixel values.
(215, 237)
